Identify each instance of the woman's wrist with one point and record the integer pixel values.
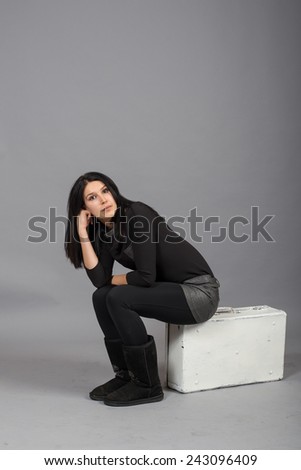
(83, 235)
(119, 280)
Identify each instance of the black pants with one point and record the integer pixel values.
(119, 309)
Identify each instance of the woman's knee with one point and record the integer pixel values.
(99, 296)
(115, 298)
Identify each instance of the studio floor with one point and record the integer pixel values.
(51, 359)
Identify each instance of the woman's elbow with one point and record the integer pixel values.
(149, 280)
(101, 283)
(141, 278)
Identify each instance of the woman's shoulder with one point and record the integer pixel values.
(141, 208)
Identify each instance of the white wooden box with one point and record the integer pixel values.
(236, 346)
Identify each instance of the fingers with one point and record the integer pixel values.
(84, 219)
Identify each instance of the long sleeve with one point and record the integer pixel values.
(101, 274)
(142, 233)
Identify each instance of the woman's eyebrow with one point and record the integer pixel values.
(96, 191)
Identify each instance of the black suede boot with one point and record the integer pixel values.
(115, 352)
(144, 386)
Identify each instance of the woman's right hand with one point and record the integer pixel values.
(83, 220)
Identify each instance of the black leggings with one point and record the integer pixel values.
(119, 308)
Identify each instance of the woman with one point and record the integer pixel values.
(169, 280)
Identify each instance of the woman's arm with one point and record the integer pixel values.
(89, 256)
(100, 274)
(142, 231)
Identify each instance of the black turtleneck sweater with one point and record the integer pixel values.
(151, 250)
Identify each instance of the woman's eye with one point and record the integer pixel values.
(91, 198)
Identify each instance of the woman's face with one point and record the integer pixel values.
(99, 201)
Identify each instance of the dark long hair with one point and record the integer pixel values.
(95, 231)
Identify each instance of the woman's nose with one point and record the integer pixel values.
(102, 198)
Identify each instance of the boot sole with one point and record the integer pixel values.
(97, 398)
(134, 402)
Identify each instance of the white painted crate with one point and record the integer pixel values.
(236, 346)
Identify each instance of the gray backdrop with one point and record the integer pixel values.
(184, 104)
